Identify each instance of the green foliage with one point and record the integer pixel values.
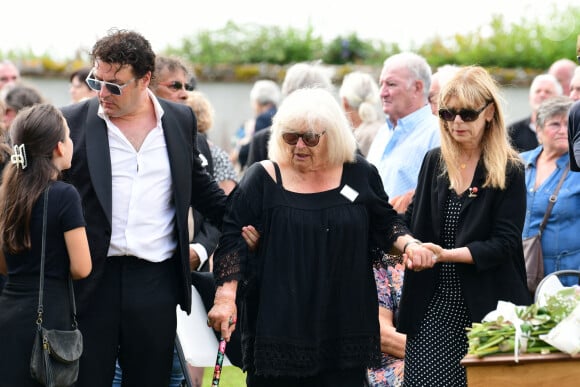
(240, 44)
(529, 44)
(353, 50)
(532, 44)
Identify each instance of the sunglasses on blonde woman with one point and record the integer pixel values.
(467, 115)
(310, 139)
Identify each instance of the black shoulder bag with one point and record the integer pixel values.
(55, 353)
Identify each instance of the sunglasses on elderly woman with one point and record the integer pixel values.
(176, 85)
(309, 138)
(467, 115)
(113, 88)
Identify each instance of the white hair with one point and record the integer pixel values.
(361, 92)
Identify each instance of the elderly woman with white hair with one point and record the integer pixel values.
(307, 298)
(359, 94)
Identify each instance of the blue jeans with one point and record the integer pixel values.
(176, 373)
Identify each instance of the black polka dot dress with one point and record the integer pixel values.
(432, 357)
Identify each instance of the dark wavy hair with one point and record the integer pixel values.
(126, 48)
(39, 128)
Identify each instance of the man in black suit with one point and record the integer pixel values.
(137, 175)
(170, 82)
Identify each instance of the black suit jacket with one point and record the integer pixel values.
(574, 137)
(521, 136)
(490, 225)
(205, 233)
(91, 175)
(259, 146)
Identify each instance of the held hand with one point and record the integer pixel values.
(437, 250)
(251, 236)
(418, 257)
(194, 260)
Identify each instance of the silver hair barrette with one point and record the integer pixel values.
(19, 156)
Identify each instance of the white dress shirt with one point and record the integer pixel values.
(143, 212)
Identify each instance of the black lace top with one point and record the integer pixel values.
(307, 299)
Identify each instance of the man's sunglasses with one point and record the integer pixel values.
(176, 85)
(309, 138)
(113, 88)
(467, 115)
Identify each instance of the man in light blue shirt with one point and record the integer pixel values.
(411, 129)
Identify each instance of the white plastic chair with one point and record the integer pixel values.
(548, 278)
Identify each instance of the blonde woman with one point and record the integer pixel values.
(469, 209)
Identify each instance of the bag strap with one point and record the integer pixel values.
(553, 199)
(40, 309)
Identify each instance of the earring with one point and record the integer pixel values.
(487, 125)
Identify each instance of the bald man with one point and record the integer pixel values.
(563, 70)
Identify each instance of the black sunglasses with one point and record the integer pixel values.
(467, 115)
(113, 88)
(176, 85)
(309, 138)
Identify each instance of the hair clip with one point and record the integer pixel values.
(472, 192)
(19, 156)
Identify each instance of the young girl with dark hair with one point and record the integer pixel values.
(42, 148)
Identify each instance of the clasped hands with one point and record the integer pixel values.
(419, 256)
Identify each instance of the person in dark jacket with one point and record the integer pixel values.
(469, 209)
(137, 169)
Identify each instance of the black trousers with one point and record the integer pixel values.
(131, 316)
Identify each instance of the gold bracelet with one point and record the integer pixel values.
(410, 242)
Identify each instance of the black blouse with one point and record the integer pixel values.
(308, 299)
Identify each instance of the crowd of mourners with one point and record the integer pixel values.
(351, 235)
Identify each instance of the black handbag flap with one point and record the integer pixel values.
(65, 346)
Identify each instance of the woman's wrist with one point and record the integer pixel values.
(226, 292)
(412, 241)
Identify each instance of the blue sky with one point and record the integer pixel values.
(60, 27)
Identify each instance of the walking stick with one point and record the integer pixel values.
(218, 363)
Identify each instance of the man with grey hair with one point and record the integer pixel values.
(563, 71)
(18, 97)
(438, 81)
(411, 130)
(298, 76)
(575, 85)
(523, 132)
(9, 74)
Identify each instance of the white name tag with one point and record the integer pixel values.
(349, 193)
(204, 162)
